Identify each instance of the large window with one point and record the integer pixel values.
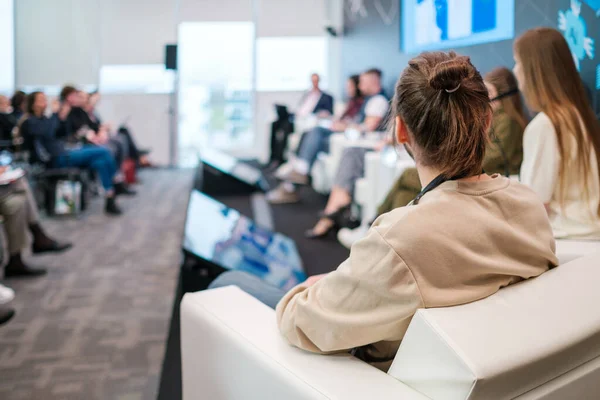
(143, 78)
(216, 81)
(285, 63)
(7, 46)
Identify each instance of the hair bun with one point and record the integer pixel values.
(448, 75)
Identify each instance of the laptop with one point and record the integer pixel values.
(232, 166)
(222, 236)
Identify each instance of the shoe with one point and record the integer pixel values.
(6, 315)
(111, 207)
(23, 272)
(282, 196)
(297, 178)
(52, 247)
(6, 294)
(326, 225)
(283, 171)
(347, 237)
(123, 189)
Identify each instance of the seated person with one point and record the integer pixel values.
(370, 118)
(315, 101)
(351, 168)
(39, 134)
(487, 231)
(122, 141)
(503, 154)
(18, 102)
(7, 120)
(20, 214)
(561, 145)
(281, 128)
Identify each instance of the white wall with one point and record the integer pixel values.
(7, 47)
(67, 41)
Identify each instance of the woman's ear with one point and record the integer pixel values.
(401, 132)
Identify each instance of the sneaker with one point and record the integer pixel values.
(297, 178)
(6, 294)
(347, 237)
(284, 170)
(282, 196)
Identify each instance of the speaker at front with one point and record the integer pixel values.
(171, 56)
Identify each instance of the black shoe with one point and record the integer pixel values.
(312, 234)
(111, 207)
(52, 247)
(6, 315)
(123, 189)
(23, 271)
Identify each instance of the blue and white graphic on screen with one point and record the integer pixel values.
(572, 24)
(438, 24)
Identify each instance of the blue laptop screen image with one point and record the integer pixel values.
(442, 24)
(223, 236)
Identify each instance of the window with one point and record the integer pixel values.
(286, 63)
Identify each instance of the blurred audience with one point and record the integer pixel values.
(40, 135)
(442, 113)
(561, 145)
(370, 118)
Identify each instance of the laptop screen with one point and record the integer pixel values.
(224, 237)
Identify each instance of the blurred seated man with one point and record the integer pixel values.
(20, 214)
(313, 102)
(371, 117)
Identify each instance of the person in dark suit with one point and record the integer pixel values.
(315, 101)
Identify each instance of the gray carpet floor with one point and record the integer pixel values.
(95, 326)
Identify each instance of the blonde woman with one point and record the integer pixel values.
(562, 143)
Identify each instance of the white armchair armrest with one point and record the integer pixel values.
(231, 349)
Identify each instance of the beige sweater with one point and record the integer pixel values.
(462, 242)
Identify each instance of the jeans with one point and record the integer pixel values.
(312, 143)
(251, 284)
(97, 158)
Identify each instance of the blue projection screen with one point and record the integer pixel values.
(442, 24)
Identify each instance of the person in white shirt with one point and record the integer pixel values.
(561, 144)
(371, 117)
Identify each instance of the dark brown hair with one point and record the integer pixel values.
(31, 101)
(375, 71)
(505, 82)
(66, 91)
(553, 85)
(18, 99)
(444, 103)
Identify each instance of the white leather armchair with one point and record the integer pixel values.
(538, 339)
(380, 176)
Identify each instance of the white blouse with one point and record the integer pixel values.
(578, 218)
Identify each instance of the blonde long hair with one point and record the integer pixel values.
(553, 85)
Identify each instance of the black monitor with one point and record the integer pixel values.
(225, 174)
(224, 238)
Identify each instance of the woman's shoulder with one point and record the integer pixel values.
(540, 122)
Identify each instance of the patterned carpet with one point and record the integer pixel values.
(95, 327)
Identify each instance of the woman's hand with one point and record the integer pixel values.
(314, 279)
